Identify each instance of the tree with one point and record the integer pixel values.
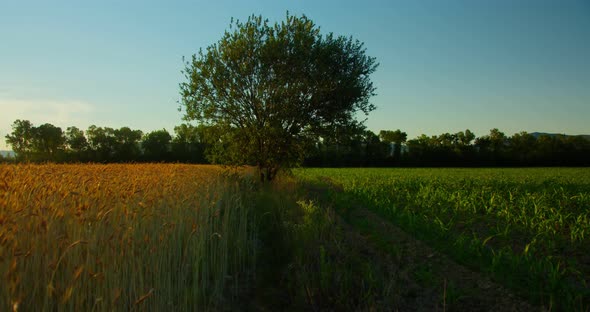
(156, 145)
(127, 144)
(396, 137)
(48, 140)
(102, 142)
(21, 139)
(498, 140)
(75, 140)
(189, 143)
(419, 149)
(35, 143)
(522, 146)
(265, 90)
(464, 148)
(492, 147)
(374, 149)
(465, 137)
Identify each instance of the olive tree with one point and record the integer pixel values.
(265, 91)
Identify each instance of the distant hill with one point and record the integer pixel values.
(538, 134)
(7, 153)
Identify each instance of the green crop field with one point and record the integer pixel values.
(529, 229)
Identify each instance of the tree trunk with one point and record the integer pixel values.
(397, 148)
(267, 174)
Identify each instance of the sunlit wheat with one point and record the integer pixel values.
(115, 237)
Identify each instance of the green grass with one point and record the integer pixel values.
(306, 261)
(528, 228)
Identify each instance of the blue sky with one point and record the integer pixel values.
(445, 66)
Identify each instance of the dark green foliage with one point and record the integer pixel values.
(113, 145)
(265, 91)
(75, 139)
(102, 142)
(338, 146)
(496, 149)
(21, 139)
(127, 143)
(355, 146)
(396, 137)
(189, 144)
(45, 142)
(156, 145)
(48, 140)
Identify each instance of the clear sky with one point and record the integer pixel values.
(445, 66)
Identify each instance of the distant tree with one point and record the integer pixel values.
(21, 139)
(374, 150)
(465, 137)
(188, 144)
(548, 149)
(522, 147)
(47, 141)
(498, 140)
(464, 148)
(577, 149)
(445, 149)
(483, 144)
(396, 137)
(6, 158)
(267, 90)
(446, 140)
(419, 149)
(492, 148)
(75, 140)
(127, 144)
(156, 145)
(399, 138)
(387, 137)
(102, 143)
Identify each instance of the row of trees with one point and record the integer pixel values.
(356, 147)
(103, 144)
(495, 148)
(391, 148)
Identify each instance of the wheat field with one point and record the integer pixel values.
(122, 237)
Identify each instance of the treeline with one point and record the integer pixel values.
(345, 148)
(103, 144)
(391, 148)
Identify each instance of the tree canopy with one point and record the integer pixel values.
(156, 144)
(21, 138)
(397, 137)
(265, 90)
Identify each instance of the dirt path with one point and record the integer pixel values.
(426, 279)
